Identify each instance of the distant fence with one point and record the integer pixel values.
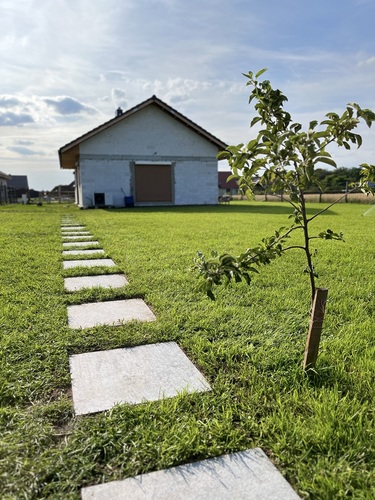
(322, 197)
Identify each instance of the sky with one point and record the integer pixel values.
(66, 65)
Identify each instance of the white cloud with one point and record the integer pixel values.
(10, 119)
(67, 65)
(119, 97)
(21, 150)
(23, 110)
(64, 105)
(23, 142)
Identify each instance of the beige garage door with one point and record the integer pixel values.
(153, 183)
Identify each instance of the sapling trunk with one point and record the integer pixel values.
(310, 267)
(315, 328)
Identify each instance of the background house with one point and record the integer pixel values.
(225, 186)
(4, 179)
(151, 153)
(18, 188)
(63, 192)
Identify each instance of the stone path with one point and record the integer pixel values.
(102, 379)
(104, 281)
(94, 251)
(76, 233)
(80, 243)
(246, 475)
(132, 375)
(68, 264)
(78, 238)
(115, 312)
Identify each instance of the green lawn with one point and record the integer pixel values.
(318, 430)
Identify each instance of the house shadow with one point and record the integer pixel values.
(261, 208)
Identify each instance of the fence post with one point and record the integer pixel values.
(315, 328)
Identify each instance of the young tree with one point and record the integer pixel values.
(283, 158)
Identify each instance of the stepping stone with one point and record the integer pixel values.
(67, 229)
(104, 281)
(80, 243)
(102, 379)
(78, 238)
(68, 264)
(77, 233)
(115, 312)
(246, 475)
(83, 252)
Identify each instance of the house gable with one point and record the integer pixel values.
(152, 124)
(150, 132)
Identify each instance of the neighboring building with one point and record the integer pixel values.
(18, 188)
(4, 179)
(227, 187)
(63, 192)
(150, 154)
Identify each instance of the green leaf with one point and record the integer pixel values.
(354, 105)
(260, 72)
(321, 134)
(266, 133)
(223, 155)
(327, 160)
(255, 120)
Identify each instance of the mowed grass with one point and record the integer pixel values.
(249, 344)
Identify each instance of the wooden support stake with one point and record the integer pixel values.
(315, 328)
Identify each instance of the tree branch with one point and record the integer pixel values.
(331, 205)
(293, 246)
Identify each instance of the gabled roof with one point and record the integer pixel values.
(68, 154)
(18, 182)
(4, 176)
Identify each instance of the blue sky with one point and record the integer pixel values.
(66, 65)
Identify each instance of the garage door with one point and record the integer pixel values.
(153, 183)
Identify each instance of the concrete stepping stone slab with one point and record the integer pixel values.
(80, 243)
(68, 264)
(72, 238)
(245, 475)
(115, 312)
(72, 228)
(94, 251)
(76, 233)
(133, 375)
(104, 281)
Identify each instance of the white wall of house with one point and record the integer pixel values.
(150, 135)
(4, 187)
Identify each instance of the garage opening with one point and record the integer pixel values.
(153, 183)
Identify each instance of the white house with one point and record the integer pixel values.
(4, 178)
(150, 154)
